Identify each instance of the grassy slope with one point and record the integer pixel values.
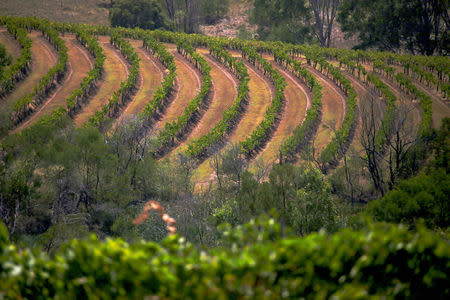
(79, 65)
(115, 73)
(43, 58)
(76, 11)
(150, 77)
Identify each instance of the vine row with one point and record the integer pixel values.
(20, 68)
(127, 87)
(28, 104)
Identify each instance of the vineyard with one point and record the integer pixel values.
(247, 144)
(199, 95)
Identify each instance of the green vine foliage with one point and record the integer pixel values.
(166, 88)
(20, 67)
(176, 128)
(198, 148)
(122, 95)
(333, 151)
(73, 102)
(382, 261)
(22, 107)
(312, 118)
(256, 140)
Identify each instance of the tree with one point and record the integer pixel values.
(324, 15)
(299, 196)
(184, 14)
(213, 10)
(422, 197)
(285, 20)
(147, 14)
(415, 25)
(371, 123)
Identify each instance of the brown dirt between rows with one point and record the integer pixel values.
(296, 101)
(333, 111)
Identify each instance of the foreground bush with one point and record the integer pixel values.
(383, 260)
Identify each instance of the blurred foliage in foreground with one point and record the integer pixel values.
(255, 261)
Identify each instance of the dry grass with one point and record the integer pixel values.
(115, 72)
(258, 103)
(150, 77)
(294, 113)
(224, 92)
(189, 82)
(11, 45)
(43, 58)
(79, 65)
(75, 11)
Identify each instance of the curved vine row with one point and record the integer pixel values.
(305, 130)
(199, 148)
(258, 138)
(166, 88)
(127, 87)
(19, 69)
(28, 104)
(177, 129)
(330, 156)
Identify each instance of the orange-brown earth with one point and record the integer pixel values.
(115, 71)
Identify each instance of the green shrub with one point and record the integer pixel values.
(381, 261)
(426, 196)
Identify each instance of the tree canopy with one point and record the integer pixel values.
(285, 20)
(146, 14)
(417, 25)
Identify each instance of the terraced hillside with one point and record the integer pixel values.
(198, 96)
